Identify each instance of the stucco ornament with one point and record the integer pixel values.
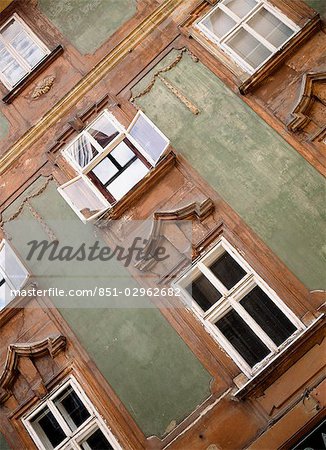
(43, 87)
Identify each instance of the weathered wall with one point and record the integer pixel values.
(275, 191)
(318, 5)
(104, 16)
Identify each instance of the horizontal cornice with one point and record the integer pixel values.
(61, 108)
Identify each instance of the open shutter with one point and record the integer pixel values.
(87, 202)
(149, 139)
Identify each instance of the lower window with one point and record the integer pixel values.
(238, 308)
(67, 420)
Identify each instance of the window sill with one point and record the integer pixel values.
(282, 361)
(11, 95)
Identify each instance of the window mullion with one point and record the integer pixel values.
(230, 13)
(59, 418)
(18, 57)
(259, 37)
(212, 278)
(253, 325)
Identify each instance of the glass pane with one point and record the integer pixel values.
(148, 138)
(219, 23)
(242, 338)
(227, 270)
(105, 170)
(71, 408)
(2, 292)
(240, 7)
(248, 48)
(270, 27)
(5, 59)
(27, 49)
(128, 179)
(202, 290)
(122, 153)
(103, 131)
(12, 267)
(96, 441)
(83, 198)
(82, 151)
(268, 316)
(14, 72)
(47, 429)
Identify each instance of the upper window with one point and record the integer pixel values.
(67, 420)
(245, 316)
(20, 51)
(13, 274)
(111, 161)
(250, 31)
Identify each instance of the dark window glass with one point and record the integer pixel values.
(202, 290)
(268, 316)
(227, 270)
(72, 408)
(315, 440)
(46, 422)
(243, 339)
(97, 441)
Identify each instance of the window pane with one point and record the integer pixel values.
(148, 138)
(219, 23)
(11, 30)
(270, 27)
(105, 170)
(12, 267)
(243, 339)
(122, 153)
(240, 7)
(202, 290)
(103, 131)
(82, 151)
(83, 198)
(5, 59)
(96, 441)
(128, 179)
(2, 292)
(248, 48)
(268, 316)
(14, 72)
(71, 408)
(47, 429)
(227, 270)
(27, 48)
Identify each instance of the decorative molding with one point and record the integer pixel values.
(301, 111)
(43, 87)
(192, 210)
(180, 96)
(51, 345)
(69, 101)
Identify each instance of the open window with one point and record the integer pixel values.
(13, 274)
(249, 31)
(68, 420)
(244, 315)
(111, 161)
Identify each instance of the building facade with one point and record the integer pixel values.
(198, 126)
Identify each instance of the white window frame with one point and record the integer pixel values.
(5, 276)
(15, 54)
(230, 300)
(74, 438)
(242, 23)
(102, 153)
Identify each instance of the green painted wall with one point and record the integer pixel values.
(88, 23)
(278, 194)
(3, 443)
(4, 126)
(148, 365)
(318, 5)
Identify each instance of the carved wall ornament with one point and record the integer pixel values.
(192, 210)
(52, 345)
(302, 114)
(43, 87)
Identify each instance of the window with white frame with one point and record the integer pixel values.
(68, 420)
(245, 316)
(250, 31)
(13, 274)
(110, 161)
(20, 51)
